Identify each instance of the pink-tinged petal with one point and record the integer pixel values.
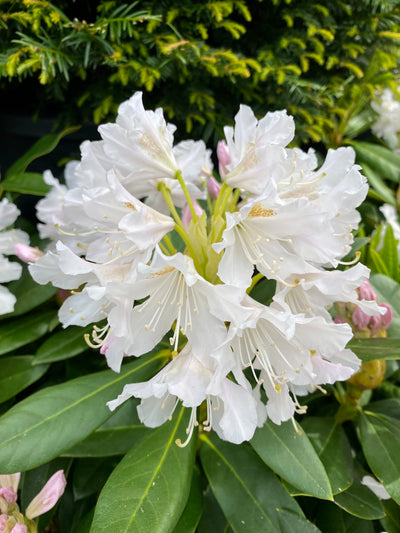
(187, 215)
(26, 253)
(224, 157)
(10, 480)
(48, 496)
(9, 494)
(3, 521)
(340, 320)
(360, 319)
(19, 528)
(213, 187)
(387, 318)
(375, 324)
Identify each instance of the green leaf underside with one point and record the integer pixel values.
(292, 457)
(28, 293)
(194, 507)
(360, 501)
(380, 440)
(23, 330)
(52, 420)
(383, 161)
(247, 491)
(149, 488)
(62, 345)
(333, 448)
(106, 442)
(391, 522)
(17, 373)
(388, 291)
(371, 349)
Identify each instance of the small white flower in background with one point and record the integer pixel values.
(376, 487)
(153, 245)
(392, 217)
(387, 125)
(8, 239)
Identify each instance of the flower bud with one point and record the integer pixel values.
(10, 480)
(9, 494)
(213, 187)
(187, 215)
(48, 496)
(360, 319)
(19, 528)
(26, 253)
(375, 324)
(3, 521)
(366, 292)
(224, 157)
(387, 318)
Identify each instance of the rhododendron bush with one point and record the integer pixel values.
(196, 339)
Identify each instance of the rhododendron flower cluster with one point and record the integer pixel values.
(151, 244)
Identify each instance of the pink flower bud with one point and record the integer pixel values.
(224, 157)
(213, 187)
(387, 318)
(26, 253)
(360, 319)
(3, 521)
(187, 215)
(366, 292)
(340, 320)
(19, 528)
(48, 496)
(9, 494)
(375, 324)
(10, 480)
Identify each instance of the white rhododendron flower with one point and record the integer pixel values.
(9, 270)
(387, 124)
(158, 253)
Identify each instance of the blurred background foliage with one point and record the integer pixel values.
(321, 60)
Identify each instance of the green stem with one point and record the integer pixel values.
(178, 176)
(167, 197)
(168, 242)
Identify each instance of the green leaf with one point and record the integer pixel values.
(360, 501)
(246, 489)
(376, 263)
(22, 331)
(193, 509)
(333, 448)
(43, 146)
(106, 442)
(29, 294)
(380, 159)
(292, 457)
(149, 488)
(90, 475)
(17, 373)
(384, 192)
(389, 253)
(293, 523)
(380, 440)
(62, 345)
(389, 407)
(52, 420)
(388, 291)
(212, 519)
(375, 348)
(331, 519)
(26, 183)
(391, 521)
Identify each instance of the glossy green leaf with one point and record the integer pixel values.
(391, 521)
(106, 442)
(29, 294)
(360, 501)
(332, 519)
(389, 407)
(43, 146)
(333, 448)
(379, 348)
(26, 183)
(292, 457)
(52, 420)
(212, 519)
(149, 488)
(293, 523)
(62, 345)
(245, 488)
(388, 291)
(383, 161)
(15, 333)
(380, 440)
(194, 507)
(17, 373)
(90, 475)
